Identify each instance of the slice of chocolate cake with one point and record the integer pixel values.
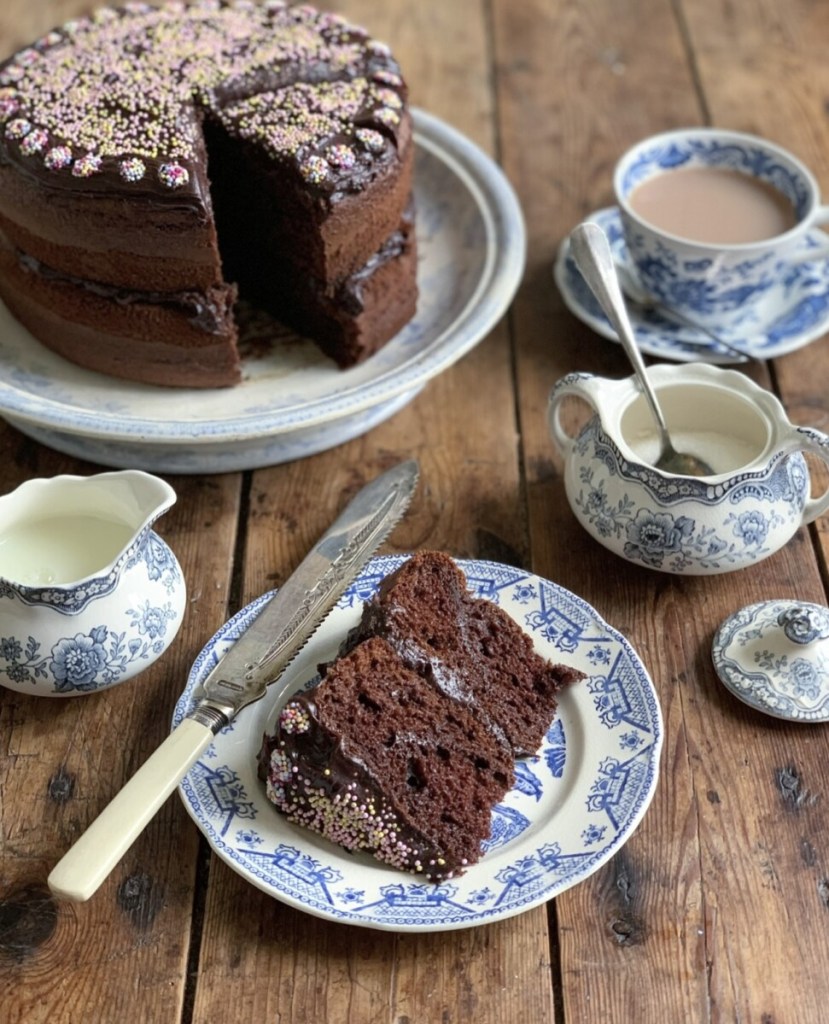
(410, 738)
(468, 647)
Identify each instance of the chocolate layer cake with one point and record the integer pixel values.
(152, 160)
(410, 738)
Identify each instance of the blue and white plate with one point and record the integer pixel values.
(292, 401)
(802, 303)
(572, 808)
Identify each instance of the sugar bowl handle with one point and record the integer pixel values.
(581, 385)
(814, 442)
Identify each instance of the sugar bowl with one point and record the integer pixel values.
(754, 502)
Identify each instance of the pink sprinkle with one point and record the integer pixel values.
(173, 175)
(341, 156)
(8, 108)
(34, 142)
(387, 78)
(18, 128)
(27, 57)
(58, 157)
(86, 166)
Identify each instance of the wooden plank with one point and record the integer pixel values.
(469, 504)
(591, 80)
(767, 74)
(653, 936)
(123, 954)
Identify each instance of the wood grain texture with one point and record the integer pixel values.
(715, 910)
(469, 503)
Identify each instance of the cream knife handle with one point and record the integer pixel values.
(85, 865)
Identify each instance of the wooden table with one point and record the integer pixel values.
(717, 909)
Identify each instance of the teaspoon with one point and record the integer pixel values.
(591, 251)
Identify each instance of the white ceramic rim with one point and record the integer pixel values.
(702, 375)
(785, 239)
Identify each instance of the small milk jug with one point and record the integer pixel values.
(89, 594)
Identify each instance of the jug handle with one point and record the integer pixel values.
(815, 442)
(582, 385)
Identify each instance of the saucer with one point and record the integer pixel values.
(801, 302)
(774, 656)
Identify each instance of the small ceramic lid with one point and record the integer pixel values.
(774, 656)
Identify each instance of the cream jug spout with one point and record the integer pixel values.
(61, 530)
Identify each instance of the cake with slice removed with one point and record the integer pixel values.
(152, 159)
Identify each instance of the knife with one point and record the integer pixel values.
(241, 676)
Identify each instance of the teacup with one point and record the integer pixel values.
(757, 499)
(729, 286)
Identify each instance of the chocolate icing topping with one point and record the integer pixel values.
(116, 101)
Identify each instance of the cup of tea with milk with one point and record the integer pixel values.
(714, 220)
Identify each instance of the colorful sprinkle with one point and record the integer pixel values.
(18, 128)
(385, 115)
(173, 175)
(127, 104)
(132, 169)
(387, 78)
(341, 156)
(8, 108)
(34, 142)
(314, 170)
(372, 140)
(27, 57)
(58, 157)
(50, 39)
(381, 49)
(86, 166)
(389, 98)
(13, 73)
(294, 718)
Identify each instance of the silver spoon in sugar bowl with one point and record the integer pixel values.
(591, 252)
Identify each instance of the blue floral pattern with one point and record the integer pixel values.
(103, 653)
(699, 287)
(633, 511)
(772, 668)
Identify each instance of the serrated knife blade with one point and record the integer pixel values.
(241, 676)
